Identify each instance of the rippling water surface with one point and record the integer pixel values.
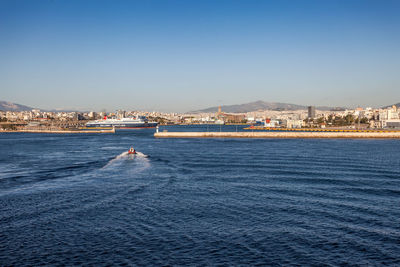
(79, 199)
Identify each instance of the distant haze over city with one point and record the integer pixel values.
(180, 56)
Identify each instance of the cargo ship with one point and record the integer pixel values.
(123, 123)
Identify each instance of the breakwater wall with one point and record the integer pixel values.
(383, 135)
(59, 131)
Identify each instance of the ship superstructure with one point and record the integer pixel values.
(123, 123)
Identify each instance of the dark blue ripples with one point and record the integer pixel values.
(74, 199)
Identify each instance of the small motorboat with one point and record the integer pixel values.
(131, 151)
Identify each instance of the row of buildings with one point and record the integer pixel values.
(312, 117)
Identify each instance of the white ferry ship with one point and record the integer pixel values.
(124, 123)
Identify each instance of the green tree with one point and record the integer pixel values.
(349, 119)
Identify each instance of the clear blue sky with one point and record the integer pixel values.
(186, 55)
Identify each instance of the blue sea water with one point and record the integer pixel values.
(80, 200)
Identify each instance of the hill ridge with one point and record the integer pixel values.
(258, 105)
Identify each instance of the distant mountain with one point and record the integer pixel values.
(9, 106)
(258, 105)
(397, 105)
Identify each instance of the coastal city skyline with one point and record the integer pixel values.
(272, 115)
(178, 56)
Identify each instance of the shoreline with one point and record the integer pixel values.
(332, 135)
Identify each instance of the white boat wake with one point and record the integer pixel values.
(139, 158)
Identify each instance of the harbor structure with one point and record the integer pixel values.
(284, 134)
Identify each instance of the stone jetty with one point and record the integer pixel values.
(58, 131)
(355, 134)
